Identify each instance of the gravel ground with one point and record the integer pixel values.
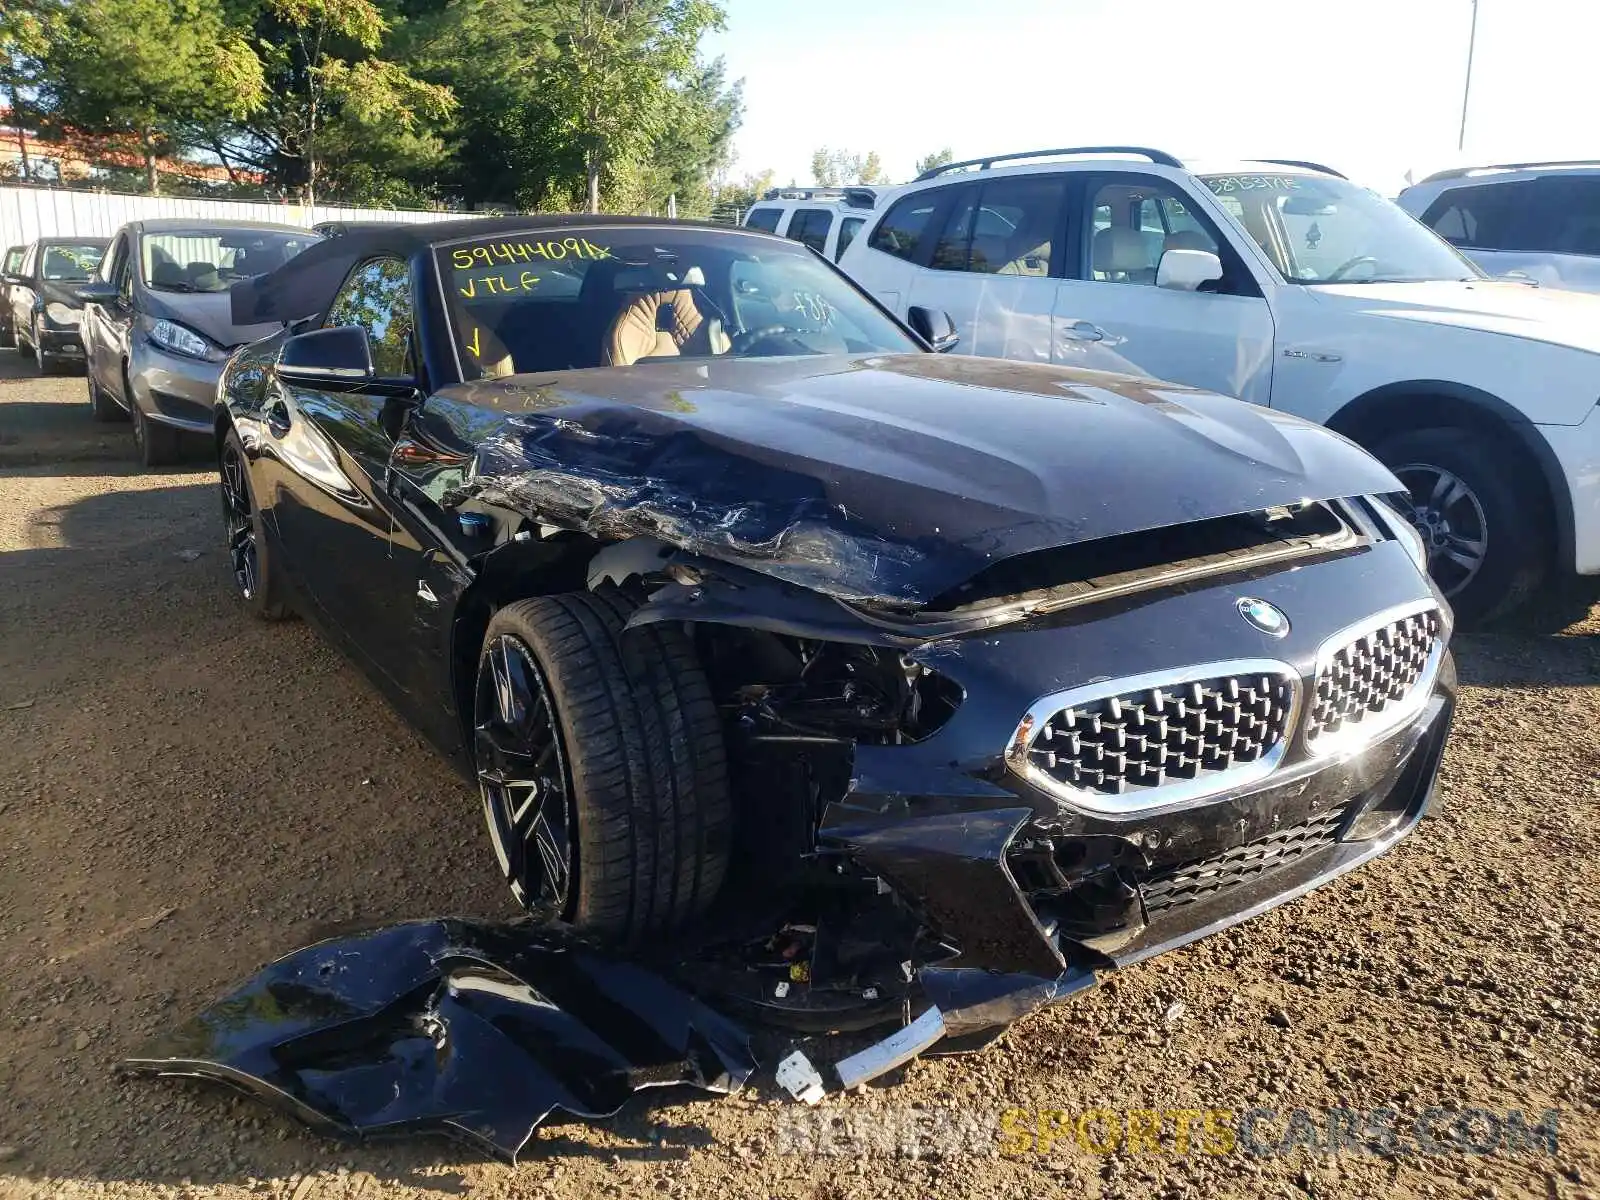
(188, 795)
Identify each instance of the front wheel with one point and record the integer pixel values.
(1483, 517)
(157, 445)
(249, 556)
(601, 765)
(101, 405)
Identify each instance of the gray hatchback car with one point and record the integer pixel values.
(158, 324)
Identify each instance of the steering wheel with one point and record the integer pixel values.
(1345, 268)
(746, 338)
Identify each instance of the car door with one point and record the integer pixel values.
(999, 244)
(11, 266)
(22, 293)
(105, 326)
(326, 463)
(1110, 315)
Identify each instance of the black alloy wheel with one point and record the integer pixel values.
(249, 558)
(522, 773)
(239, 523)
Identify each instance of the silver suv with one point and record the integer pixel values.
(1537, 220)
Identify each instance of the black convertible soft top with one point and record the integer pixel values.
(306, 284)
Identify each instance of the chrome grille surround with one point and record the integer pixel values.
(1164, 738)
(1373, 677)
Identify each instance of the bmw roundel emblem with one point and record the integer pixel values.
(1268, 618)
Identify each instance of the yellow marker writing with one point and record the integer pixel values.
(473, 344)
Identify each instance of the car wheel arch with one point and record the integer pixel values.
(514, 570)
(1425, 403)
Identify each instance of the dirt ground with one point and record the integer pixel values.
(185, 795)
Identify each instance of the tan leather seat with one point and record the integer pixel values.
(494, 360)
(1120, 254)
(661, 324)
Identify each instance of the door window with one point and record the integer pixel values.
(848, 228)
(13, 261)
(810, 226)
(1004, 227)
(377, 299)
(1563, 215)
(905, 226)
(765, 219)
(1133, 223)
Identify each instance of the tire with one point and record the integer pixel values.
(642, 824)
(1495, 503)
(157, 445)
(255, 580)
(102, 406)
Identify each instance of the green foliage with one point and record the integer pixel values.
(533, 104)
(145, 67)
(937, 159)
(836, 168)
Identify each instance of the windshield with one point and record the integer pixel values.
(548, 300)
(1321, 230)
(215, 260)
(70, 263)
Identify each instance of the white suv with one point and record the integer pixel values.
(1284, 284)
(1540, 220)
(826, 219)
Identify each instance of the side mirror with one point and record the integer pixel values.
(96, 293)
(935, 328)
(1187, 270)
(13, 278)
(338, 357)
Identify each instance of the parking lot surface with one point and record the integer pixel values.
(188, 794)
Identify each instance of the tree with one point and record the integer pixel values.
(825, 167)
(612, 81)
(145, 67)
(938, 158)
(27, 28)
(322, 60)
(834, 168)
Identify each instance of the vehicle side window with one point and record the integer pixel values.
(904, 226)
(765, 219)
(1479, 218)
(377, 298)
(848, 228)
(810, 226)
(1563, 215)
(14, 257)
(1005, 227)
(1134, 222)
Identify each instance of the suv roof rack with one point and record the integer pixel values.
(804, 193)
(1463, 172)
(1310, 166)
(983, 164)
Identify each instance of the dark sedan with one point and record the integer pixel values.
(712, 575)
(46, 313)
(158, 326)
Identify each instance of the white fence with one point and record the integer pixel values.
(27, 213)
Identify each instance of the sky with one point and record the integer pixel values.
(1370, 87)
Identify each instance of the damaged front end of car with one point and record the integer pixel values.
(1081, 754)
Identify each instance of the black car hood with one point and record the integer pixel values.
(890, 479)
(210, 313)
